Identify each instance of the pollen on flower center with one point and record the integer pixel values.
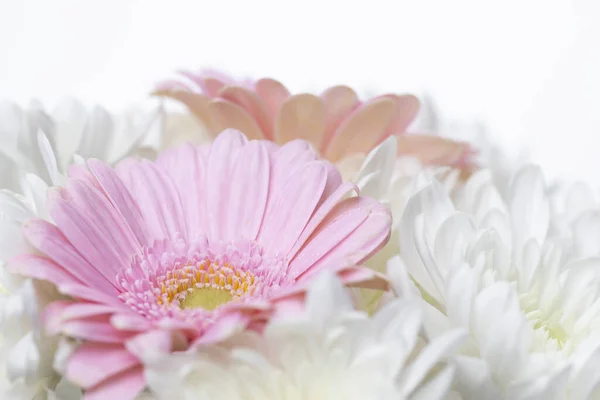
(191, 280)
(205, 284)
(207, 298)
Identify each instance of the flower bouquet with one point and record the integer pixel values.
(269, 245)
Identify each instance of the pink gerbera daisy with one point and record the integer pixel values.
(190, 248)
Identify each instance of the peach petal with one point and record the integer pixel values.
(211, 86)
(225, 114)
(273, 94)
(339, 102)
(362, 130)
(253, 104)
(197, 103)
(301, 117)
(407, 107)
(433, 150)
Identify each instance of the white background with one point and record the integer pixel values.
(530, 69)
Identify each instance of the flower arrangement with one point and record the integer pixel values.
(269, 245)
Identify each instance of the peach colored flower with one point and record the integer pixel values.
(336, 123)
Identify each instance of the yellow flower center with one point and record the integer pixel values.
(207, 297)
(205, 285)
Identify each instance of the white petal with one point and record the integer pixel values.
(380, 163)
(437, 387)
(436, 351)
(49, 158)
(424, 213)
(529, 206)
(326, 297)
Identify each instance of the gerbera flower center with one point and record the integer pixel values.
(189, 280)
(207, 298)
(204, 285)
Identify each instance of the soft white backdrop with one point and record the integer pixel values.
(529, 68)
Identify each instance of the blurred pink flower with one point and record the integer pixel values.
(189, 249)
(336, 123)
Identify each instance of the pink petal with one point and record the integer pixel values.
(355, 229)
(124, 386)
(173, 324)
(334, 181)
(96, 330)
(301, 117)
(52, 316)
(289, 304)
(289, 158)
(322, 212)
(130, 321)
(187, 168)
(224, 327)
(227, 115)
(252, 307)
(254, 105)
(363, 277)
(157, 198)
(218, 177)
(55, 193)
(92, 363)
(339, 102)
(155, 341)
(90, 240)
(248, 195)
(362, 130)
(120, 198)
(286, 161)
(293, 207)
(41, 268)
(84, 310)
(80, 172)
(250, 312)
(273, 94)
(293, 301)
(107, 220)
(84, 292)
(50, 240)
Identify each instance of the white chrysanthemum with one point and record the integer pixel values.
(35, 154)
(391, 180)
(486, 263)
(330, 351)
(575, 220)
(69, 133)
